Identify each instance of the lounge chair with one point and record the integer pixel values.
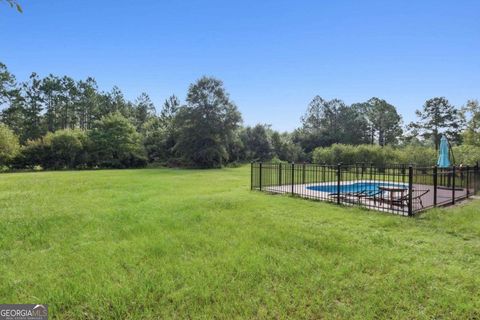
(350, 196)
(403, 200)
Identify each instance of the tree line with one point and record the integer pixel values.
(57, 122)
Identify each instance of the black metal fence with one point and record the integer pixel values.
(398, 188)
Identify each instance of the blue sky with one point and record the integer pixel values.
(273, 56)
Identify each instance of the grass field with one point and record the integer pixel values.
(160, 243)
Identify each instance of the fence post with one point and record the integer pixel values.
(280, 174)
(293, 177)
(338, 182)
(371, 171)
(453, 184)
(260, 175)
(435, 184)
(467, 182)
(475, 179)
(410, 190)
(303, 173)
(251, 175)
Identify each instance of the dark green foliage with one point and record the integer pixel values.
(63, 149)
(66, 149)
(285, 149)
(206, 124)
(31, 103)
(384, 121)
(116, 144)
(8, 89)
(438, 117)
(159, 133)
(157, 140)
(261, 143)
(329, 122)
(144, 109)
(257, 142)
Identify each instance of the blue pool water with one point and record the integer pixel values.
(369, 187)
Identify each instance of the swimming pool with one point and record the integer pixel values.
(369, 187)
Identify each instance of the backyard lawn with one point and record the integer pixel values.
(163, 243)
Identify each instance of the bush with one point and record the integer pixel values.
(158, 141)
(9, 146)
(418, 155)
(466, 154)
(116, 144)
(66, 149)
(33, 153)
(348, 154)
(63, 149)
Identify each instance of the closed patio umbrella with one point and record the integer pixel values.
(443, 157)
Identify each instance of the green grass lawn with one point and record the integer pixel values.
(160, 243)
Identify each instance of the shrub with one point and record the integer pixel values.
(348, 154)
(466, 154)
(416, 154)
(9, 145)
(377, 155)
(33, 153)
(116, 144)
(63, 149)
(66, 149)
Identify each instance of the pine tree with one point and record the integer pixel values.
(438, 117)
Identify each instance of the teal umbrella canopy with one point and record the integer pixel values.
(443, 157)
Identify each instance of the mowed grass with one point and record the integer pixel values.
(161, 243)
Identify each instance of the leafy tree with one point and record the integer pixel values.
(329, 122)
(8, 85)
(144, 109)
(65, 149)
(34, 153)
(471, 112)
(115, 102)
(169, 111)
(206, 125)
(116, 144)
(236, 147)
(13, 116)
(257, 142)
(155, 139)
(52, 90)
(385, 122)
(438, 117)
(88, 103)
(32, 108)
(284, 147)
(9, 145)
(159, 133)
